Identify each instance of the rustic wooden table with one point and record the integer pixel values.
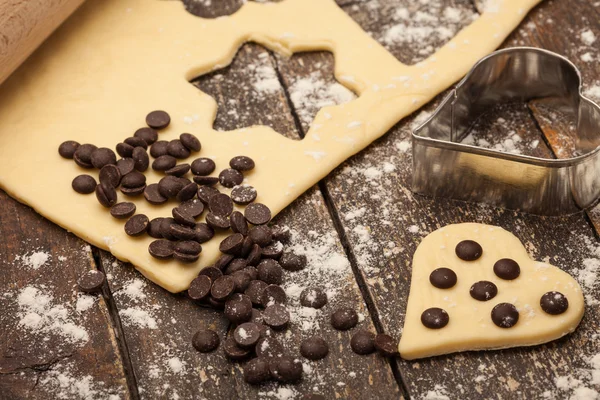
(134, 340)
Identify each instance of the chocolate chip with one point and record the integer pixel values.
(140, 159)
(206, 180)
(242, 280)
(110, 175)
(268, 347)
(125, 165)
(386, 345)
(190, 141)
(314, 348)
(187, 192)
(159, 149)
(153, 196)
(505, 315)
(253, 272)
(232, 244)
(165, 228)
(273, 294)
(200, 288)
(106, 195)
(103, 156)
(158, 119)
(257, 371)
(483, 291)
(223, 261)
(344, 318)
(292, 262)
(257, 214)
(254, 257)
(154, 228)
(221, 204)
(281, 233)
(270, 272)
(435, 318)
(136, 142)
(230, 177)
(122, 210)
(247, 335)
(124, 149)
(507, 269)
(217, 221)
(243, 194)
(133, 179)
(212, 272)
(261, 235)
(206, 340)
(148, 135)
(255, 290)
(236, 265)
(176, 149)
(233, 351)
(242, 163)
(238, 309)
(164, 163)
(554, 303)
(246, 246)
(274, 251)
(91, 281)
(313, 297)
(137, 225)
(276, 316)
(186, 258)
(67, 149)
(161, 249)
(192, 207)
(181, 232)
(286, 369)
(84, 184)
(205, 193)
(188, 247)
(203, 233)
(178, 170)
(83, 155)
(443, 278)
(222, 288)
(203, 166)
(181, 217)
(363, 342)
(238, 223)
(169, 186)
(133, 191)
(468, 250)
(218, 305)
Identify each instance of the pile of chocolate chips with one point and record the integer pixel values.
(179, 236)
(246, 286)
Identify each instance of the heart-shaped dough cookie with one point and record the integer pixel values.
(469, 307)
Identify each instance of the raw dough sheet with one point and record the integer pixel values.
(115, 60)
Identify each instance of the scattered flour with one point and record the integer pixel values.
(312, 93)
(593, 92)
(439, 392)
(34, 260)
(84, 302)
(588, 37)
(138, 317)
(40, 314)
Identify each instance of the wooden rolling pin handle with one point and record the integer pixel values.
(25, 24)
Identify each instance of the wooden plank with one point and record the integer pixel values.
(384, 222)
(54, 341)
(159, 341)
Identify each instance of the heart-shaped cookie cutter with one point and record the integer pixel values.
(444, 167)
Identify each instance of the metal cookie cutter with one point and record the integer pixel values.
(443, 167)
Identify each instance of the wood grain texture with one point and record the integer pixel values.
(25, 24)
(42, 362)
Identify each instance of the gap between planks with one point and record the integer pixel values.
(132, 384)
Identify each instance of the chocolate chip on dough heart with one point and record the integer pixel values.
(489, 294)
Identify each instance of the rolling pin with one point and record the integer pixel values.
(25, 24)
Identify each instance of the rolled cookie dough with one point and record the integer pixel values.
(470, 326)
(115, 60)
